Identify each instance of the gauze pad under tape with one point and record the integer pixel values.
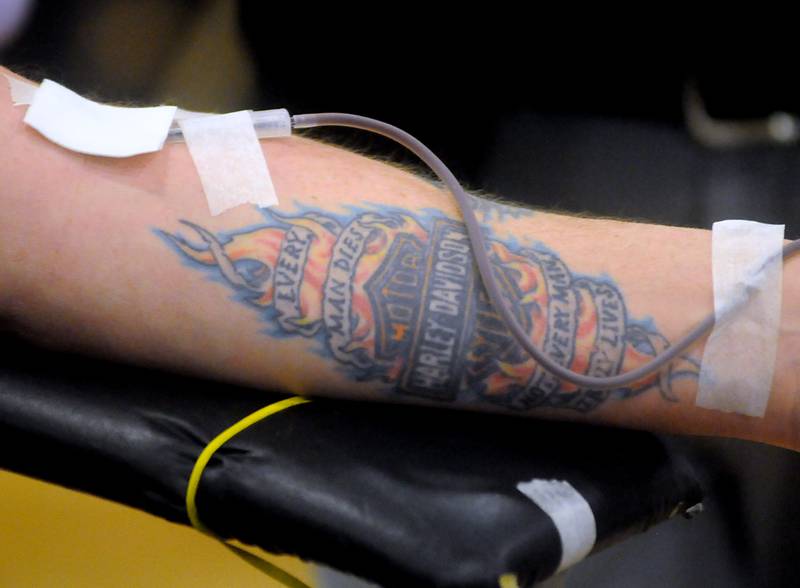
(229, 160)
(739, 357)
(81, 125)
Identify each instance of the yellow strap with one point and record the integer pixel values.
(197, 472)
(508, 580)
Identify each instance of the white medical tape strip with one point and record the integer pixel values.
(181, 114)
(229, 160)
(22, 92)
(81, 125)
(571, 514)
(224, 148)
(739, 357)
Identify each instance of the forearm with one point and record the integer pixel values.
(94, 255)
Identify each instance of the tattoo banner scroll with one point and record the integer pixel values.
(338, 290)
(289, 279)
(559, 343)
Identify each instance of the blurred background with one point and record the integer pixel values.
(601, 127)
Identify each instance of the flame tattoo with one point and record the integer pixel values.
(396, 298)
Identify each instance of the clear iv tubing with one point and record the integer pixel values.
(335, 119)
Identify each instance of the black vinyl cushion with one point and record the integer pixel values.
(399, 495)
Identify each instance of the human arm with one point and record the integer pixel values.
(368, 291)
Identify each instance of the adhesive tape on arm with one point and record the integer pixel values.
(84, 126)
(225, 148)
(739, 357)
(229, 160)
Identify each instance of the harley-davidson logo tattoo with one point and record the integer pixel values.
(397, 299)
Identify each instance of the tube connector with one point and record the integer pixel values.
(268, 124)
(272, 123)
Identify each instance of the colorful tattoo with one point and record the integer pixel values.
(489, 209)
(396, 299)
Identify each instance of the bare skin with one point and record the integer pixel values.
(358, 284)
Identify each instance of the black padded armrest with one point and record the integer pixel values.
(398, 495)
